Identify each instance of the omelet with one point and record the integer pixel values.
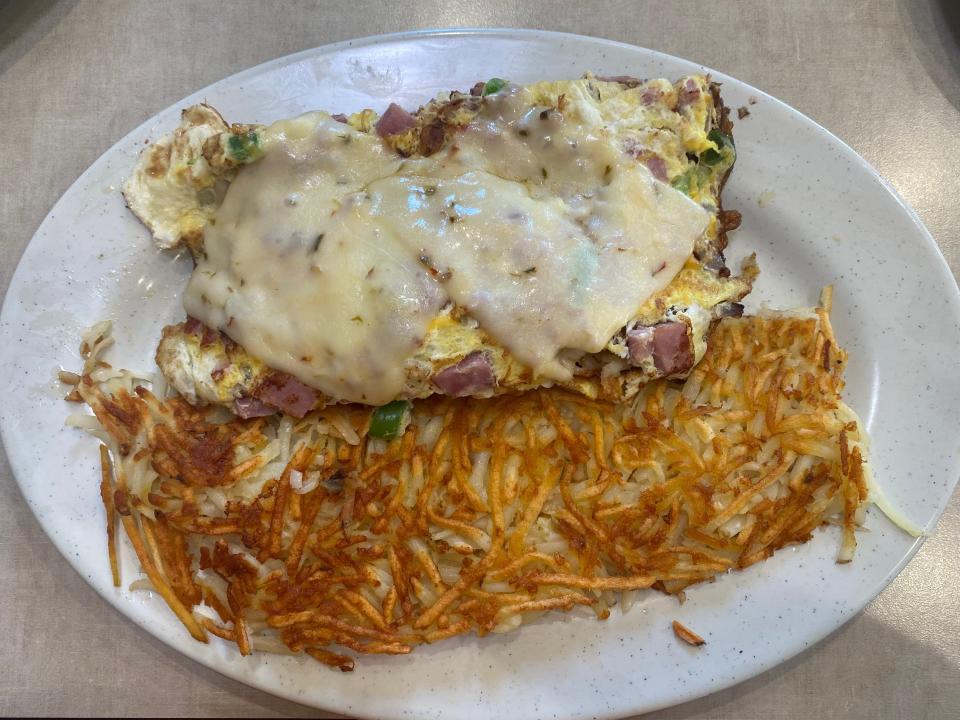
(173, 189)
(563, 233)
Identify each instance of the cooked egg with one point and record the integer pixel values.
(619, 140)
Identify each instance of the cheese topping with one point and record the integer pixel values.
(330, 255)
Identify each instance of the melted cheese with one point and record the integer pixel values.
(331, 255)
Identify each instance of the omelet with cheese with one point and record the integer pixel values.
(561, 233)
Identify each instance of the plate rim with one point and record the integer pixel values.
(233, 671)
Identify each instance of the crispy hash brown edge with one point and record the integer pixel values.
(310, 536)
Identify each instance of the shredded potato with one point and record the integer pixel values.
(310, 536)
(687, 635)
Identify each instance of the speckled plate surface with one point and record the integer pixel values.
(814, 212)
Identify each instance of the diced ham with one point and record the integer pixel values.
(656, 166)
(640, 343)
(672, 350)
(471, 375)
(668, 343)
(251, 407)
(286, 393)
(651, 95)
(339, 117)
(689, 93)
(654, 162)
(394, 121)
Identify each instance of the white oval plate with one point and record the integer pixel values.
(826, 217)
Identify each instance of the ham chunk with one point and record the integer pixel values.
(471, 375)
(286, 393)
(394, 121)
(667, 343)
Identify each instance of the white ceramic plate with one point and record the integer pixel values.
(826, 217)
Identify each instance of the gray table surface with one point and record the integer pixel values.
(884, 75)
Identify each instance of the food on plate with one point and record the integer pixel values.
(312, 535)
(541, 268)
(565, 234)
